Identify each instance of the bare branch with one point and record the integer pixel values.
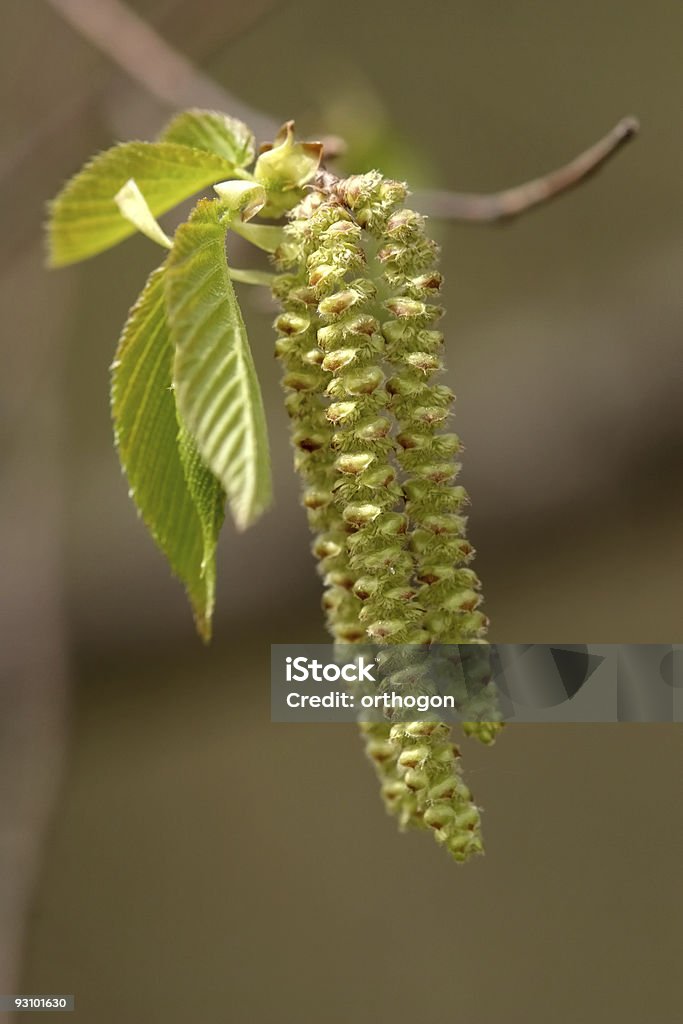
(499, 206)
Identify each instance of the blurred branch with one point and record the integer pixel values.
(138, 49)
(151, 61)
(511, 202)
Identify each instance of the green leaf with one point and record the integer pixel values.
(214, 132)
(135, 208)
(179, 499)
(246, 196)
(217, 389)
(84, 218)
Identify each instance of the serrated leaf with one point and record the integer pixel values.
(84, 218)
(217, 389)
(213, 132)
(178, 498)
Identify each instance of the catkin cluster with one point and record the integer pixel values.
(359, 348)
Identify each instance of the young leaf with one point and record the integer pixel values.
(217, 389)
(84, 218)
(180, 501)
(288, 164)
(245, 196)
(213, 132)
(135, 208)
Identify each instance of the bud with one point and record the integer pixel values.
(340, 412)
(335, 305)
(359, 382)
(328, 545)
(357, 189)
(374, 430)
(424, 361)
(291, 323)
(345, 228)
(396, 332)
(394, 791)
(392, 192)
(402, 594)
(462, 600)
(300, 381)
(428, 283)
(362, 324)
(468, 818)
(313, 357)
(336, 360)
(432, 415)
(439, 472)
(412, 757)
(323, 273)
(416, 489)
(381, 476)
(462, 846)
(380, 751)
(284, 347)
(329, 336)
(288, 164)
(384, 629)
(430, 340)
(403, 224)
(401, 306)
(421, 729)
(349, 633)
(443, 523)
(447, 444)
(314, 498)
(365, 587)
(309, 441)
(439, 817)
(402, 387)
(353, 464)
(415, 779)
(304, 294)
(361, 515)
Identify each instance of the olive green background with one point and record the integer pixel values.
(200, 863)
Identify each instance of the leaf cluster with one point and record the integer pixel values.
(186, 403)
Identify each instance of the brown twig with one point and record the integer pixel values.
(505, 205)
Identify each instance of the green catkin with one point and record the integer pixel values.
(449, 590)
(306, 382)
(358, 348)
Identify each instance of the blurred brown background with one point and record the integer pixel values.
(166, 853)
